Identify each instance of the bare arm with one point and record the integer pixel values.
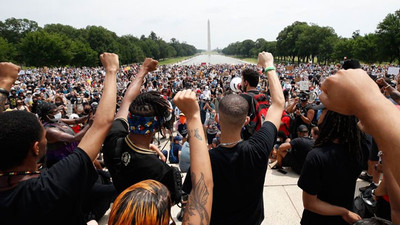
(134, 88)
(198, 210)
(285, 146)
(381, 120)
(54, 135)
(8, 75)
(309, 118)
(292, 107)
(159, 153)
(274, 114)
(313, 204)
(94, 138)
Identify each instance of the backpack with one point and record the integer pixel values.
(259, 109)
(291, 122)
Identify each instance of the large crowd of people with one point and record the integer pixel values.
(75, 140)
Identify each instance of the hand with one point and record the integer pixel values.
(351, 217)
(381, 82)
(8, 75)
(349, 92)
(296, 100)
(265, 59)
(150, 64)
(110, 61)
(187, 103)
(297, 112)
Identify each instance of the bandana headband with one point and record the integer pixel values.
(143, 125)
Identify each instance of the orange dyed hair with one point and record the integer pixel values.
(145, 203)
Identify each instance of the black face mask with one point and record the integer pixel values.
(87, 110)
(58, 103)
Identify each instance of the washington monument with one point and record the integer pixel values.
(208, 37)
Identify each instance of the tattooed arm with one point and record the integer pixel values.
(198, 210)
(8, 75)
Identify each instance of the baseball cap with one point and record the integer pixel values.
(302, 128)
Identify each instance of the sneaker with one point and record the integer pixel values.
(371, 186)
(365, 177)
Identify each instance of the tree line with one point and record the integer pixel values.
(310, 42)
(24, 41)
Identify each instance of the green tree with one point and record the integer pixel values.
(7, 51)
(366, 48)
(13, 29)
(102, 40)
(389, 36)
(43, 49)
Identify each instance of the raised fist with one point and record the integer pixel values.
(265, 59)
(8, 75)
(110, 61)
(186, 101)
(150, 64)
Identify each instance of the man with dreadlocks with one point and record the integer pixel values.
(336, 157)
(127, 150)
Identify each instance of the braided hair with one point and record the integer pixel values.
(45, 109)
(151, 104)
(344, 129)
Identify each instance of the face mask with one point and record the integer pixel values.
(58, 103)
(56, 117)
(87, 110)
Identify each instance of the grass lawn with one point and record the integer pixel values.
(172, 60)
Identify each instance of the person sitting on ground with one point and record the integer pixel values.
(293, 153)
(149, 201)
(238, 166)
(176, 147)
(127, 151)
(314, 133)
(55, 195)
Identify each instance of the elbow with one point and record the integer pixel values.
(279, 101)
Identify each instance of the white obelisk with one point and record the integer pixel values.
(209, 37)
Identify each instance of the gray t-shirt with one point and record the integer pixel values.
(184, 162)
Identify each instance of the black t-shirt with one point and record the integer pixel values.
(54, 197)
(239, 174)
(300, 148)
(127, 166)
(330, 173)
(182, 129)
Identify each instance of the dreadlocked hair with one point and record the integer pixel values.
(342, 128)
(44, 109)
(150, 104)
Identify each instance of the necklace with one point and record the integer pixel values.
(18, 173)
(139, 149)
(230, 143)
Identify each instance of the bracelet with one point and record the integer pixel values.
(4, 92)
(269, 68)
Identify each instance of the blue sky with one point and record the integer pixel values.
(186, 20)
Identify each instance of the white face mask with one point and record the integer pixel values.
(56, 117)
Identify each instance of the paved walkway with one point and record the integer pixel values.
(283, 203)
